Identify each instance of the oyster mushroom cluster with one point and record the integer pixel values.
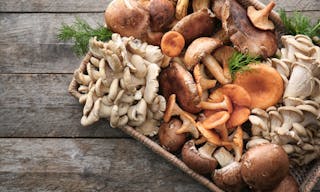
(120, 84)
(294, 123)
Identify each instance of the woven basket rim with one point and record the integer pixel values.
(308, 184)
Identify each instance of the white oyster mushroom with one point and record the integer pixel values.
(102, 87)
(140, 65)
(137, 113)
(97, 48)
(281, 67)
(150, 127)
(276, 120)
(115, 119)
(310, 114)
(290, 115)
(114, 89)
(92, 116)
(315, 94)
(293, 101)
(131, 82)
(81, 78)
(93, 72)
(152, 84)
(114, 61)
(94, 61)
(256, 140)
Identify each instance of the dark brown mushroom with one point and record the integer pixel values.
(177, 80)
(131, 18)
(161, 14)
(168, 138)
(244, 36)
(197, 24)
(264, 166)
(229, 177)
(288, 184)
(201, 161)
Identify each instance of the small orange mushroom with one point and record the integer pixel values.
(263, 83)
(236, 93)
(217, 121)
(239, 115)
(172, 43)
(212, 136)
(202, 81)
(226, 104)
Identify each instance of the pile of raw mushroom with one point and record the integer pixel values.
(224, 127)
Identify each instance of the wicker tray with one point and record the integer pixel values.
(306, 176)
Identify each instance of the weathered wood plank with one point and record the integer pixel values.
(39, 105)
(87, 165)
(99, 6)
(43, 28)
(296, 5)
(39, 28)
(38, 58)
(54, 6)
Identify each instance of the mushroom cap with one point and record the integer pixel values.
(288, 184)
(161, 14)
(236, 93)
(177, 80)
(197, 162)
(198, 49)
(215, 120)
(128, 18)
(239, 115)
(229, 177)
(168, 138)
(245, 37)
(259, 18)
(264, 166)
(263, 83)
(222, 55)
(197, 24)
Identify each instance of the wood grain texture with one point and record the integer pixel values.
(54, 6)
(38, 58)
(87, 165)
(296, 5)
(39, 28)
(100, 5)
(39, 105)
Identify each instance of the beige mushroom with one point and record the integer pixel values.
(259, 18)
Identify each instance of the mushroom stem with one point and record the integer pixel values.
(202, 81)
(215, 69)
(207, 149)
(226, 104)
(267, 9)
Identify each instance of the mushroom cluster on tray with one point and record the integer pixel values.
(171, 72)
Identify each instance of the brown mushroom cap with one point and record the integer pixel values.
(168, 138)
(198, 49)
(128, 18)
(259, 18)
(264, 166)
(263, 83)
(197, 24)
(288, 184)
(161, 14)
(239, 115)
(245, 37)
(193, 159)
(236, 93)
(222, 55)
(177, 80)
(229, 177)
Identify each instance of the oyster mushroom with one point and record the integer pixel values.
(182, 8)
(201, 161)
(244, 36)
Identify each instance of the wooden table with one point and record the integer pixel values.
(43, 147)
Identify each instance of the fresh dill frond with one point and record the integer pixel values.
(238, 62)
(80, 32)
(299, 24)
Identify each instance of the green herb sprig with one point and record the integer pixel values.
(300, 24)
(238, 62)
(80, 32)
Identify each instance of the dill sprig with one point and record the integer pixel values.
(238, 62)
(80, 32)
(300, 24)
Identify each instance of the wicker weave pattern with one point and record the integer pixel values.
(306, 176)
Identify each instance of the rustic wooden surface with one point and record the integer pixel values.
(43, 147)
